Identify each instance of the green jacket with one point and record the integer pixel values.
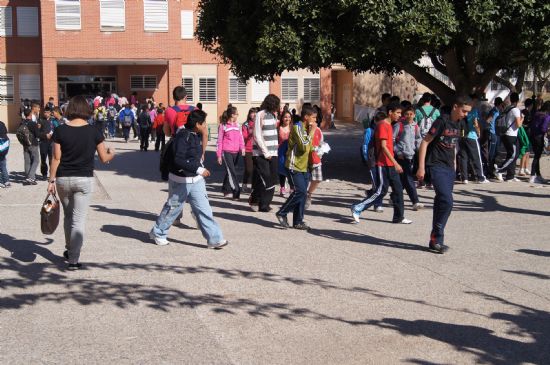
(299, 145)
(523, 142)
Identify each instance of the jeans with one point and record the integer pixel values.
(46, 153)
(443, 181)
(126, 133)
(75, 194)
(297, 200)
(538, 147)
(111, 126)
(509, 166)
(195, 194)
(407, 178)
(385, 177)
(32, 159)
(4, 174)
(493, 144)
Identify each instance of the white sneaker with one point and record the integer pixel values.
(465, 182)
(158, 241)
(217, 246)
(515, 179)
(379, 209)
(527, 172)
(418, 206)
(485, 181)
(499, 176)
(254, 207)
(521, 172)
(308, 203)
(405, 221)
(355, 216)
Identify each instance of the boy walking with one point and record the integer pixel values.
(437, 152)
(387, 169)
(4, 149)
(299, 147)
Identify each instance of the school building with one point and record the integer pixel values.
(62, 48)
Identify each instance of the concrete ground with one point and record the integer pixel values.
(341, 294)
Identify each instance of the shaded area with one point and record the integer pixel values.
(490, 204)
(529, 273)
(534, 252)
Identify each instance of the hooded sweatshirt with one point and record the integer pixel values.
(230, 138)
(406, 139)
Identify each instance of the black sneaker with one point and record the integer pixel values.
(74, 267)
(66, 255)
(437, 248)
(283, 221)
(302, 227)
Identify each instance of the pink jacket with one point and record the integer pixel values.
(248, 135)
(230, 139)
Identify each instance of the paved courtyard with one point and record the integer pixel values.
(341, 294)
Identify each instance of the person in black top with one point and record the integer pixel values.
(437, 152)
(30, 153)
(46, 151)
(72, 171)
(145, 124)
(4, 149)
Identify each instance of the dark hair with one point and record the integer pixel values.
(514, 97)
(199, 106)
(160, 111)
(197, 116)
(395, 99)
(393, 107)
(144, 108)
(47, 109)
(545, 107)
(385, 96)
(529, 102)
(474, 96)
(271, 103)
(78, 108)
(308, 110)
(498, 101)
(282, 116)
(408, 109)
(34, 103)
(380, 116)
(461, 100)
(179, 93)
(27, 112)
(405, 104)
(250, 111)
(228, 114)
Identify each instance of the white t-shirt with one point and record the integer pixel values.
(511, 120)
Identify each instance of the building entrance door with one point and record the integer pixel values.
(89, 86)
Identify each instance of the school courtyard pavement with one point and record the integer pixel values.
(340, 294)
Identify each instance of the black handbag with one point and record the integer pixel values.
(49, 214)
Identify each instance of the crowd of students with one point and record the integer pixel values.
(405, 147)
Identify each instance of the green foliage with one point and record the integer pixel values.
(263, 38)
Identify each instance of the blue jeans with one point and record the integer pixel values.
(443, 181)
(4, 174)
(195, 194)
(297, 200)
(111, 126)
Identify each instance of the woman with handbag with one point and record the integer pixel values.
(72, 171)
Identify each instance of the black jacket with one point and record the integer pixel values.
(187, 153)
(35, 132)
(45, 130)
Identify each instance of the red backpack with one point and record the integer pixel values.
(181, 116)
(401, 127)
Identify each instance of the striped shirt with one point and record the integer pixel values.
(266, 139)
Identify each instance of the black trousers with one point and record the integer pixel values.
(144, 134)
(509, 165)
(407, 178)
(230, 182)
(264, 179)
(248, 168)
(538, 148)
(160, 140)
(46, 153)
(470, 153)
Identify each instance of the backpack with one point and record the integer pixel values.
(181, 116)
(100, 116)
(368, 149)
(401, 127)
(111, 113)
(167, 154)
(501, 123)
(4, 147)
(127, 119)
(23, 134)
(144, 121)
(426, 122)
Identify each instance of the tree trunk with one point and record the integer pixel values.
(444, 92)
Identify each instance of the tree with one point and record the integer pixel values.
(468, 41)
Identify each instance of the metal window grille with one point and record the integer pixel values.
(67, 15)
(187, 83)
(312, 89)
(207, 89)
(237, 89)
(289, 88)
(112, 15)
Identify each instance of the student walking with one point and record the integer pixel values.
(145, 123)
(158, 126)
(72, 171)
(514, 120)
(539, 129)
(315, 165)
(127, 120)
(469, 150)
(299, 147)
(45, 128)
(283, 131)
(31, 152)
(407, 139)
(387, 169)
(437, 153)
(265, 147)
(248, 136)
(4, 149)
(230, 146)
(186, 184)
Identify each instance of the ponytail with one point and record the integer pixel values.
(228, 114)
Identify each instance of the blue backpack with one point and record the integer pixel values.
(368, 152)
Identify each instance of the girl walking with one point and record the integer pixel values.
(248, 136)
(230, 144)
(285, 124)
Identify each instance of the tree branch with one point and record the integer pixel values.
(453, 69)
(438, 87)
(504, 82)
(437, 64)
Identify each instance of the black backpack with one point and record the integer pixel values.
(23, 134)
(501, 123)
(144, 120)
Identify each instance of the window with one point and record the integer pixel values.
(155, 15)
(187, 83)
(27, 21)
(6, 89)
(237, 89)
(29, 87)
(312, 89)
(145, 82)
(289, 89)
(187, 24)
(260, 89)
(5, 21)
(112, 15)
(67, 14)
(207, 89)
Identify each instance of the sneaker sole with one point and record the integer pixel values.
(152, 236)
(219, 246)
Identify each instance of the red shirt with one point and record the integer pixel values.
(383, 131)
(170, 115)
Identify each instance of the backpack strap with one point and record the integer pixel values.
(431, 113)
(423, 112)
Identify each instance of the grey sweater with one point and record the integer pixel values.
(406, 139)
